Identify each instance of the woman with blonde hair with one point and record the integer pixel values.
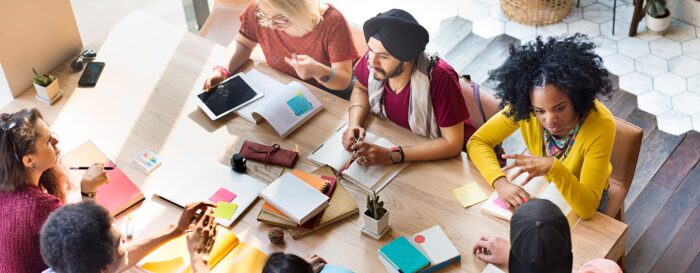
(32, 185)
(301, 38)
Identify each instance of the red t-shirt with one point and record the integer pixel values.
(329, 42)
(448, 103)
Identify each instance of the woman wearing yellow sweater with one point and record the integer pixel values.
(548, 89)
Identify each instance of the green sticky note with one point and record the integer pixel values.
(469, 194)
(225, 210)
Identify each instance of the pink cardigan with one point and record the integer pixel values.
(22, 213)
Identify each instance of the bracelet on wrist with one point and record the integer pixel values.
(223, 70)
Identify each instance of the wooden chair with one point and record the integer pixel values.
(488, 102)
(628, 142)
(358, 39)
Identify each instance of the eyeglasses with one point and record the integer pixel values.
(7, 124)
(278, 21)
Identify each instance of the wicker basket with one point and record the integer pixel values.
(536, 12)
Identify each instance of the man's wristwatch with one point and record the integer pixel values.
(88, 194)
(396, 155)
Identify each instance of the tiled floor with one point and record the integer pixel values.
(662, 70)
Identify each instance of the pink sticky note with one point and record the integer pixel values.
(222, 195)
(500, 203)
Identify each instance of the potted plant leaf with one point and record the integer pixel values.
(46, 87)
(657, 15)
(376, 217)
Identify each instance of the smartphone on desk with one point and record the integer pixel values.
(91, 74)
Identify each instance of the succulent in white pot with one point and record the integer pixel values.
(46, 86)
(657, 15)
(376, 217)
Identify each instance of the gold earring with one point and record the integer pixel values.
(33, 166)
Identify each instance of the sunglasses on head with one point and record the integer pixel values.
(86, 56)
(7, 123)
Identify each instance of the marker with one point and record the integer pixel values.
(85, 168)
(129, 227)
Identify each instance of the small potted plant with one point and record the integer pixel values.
(657, 15)
(376, 217)
(46, 87)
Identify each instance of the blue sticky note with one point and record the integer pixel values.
(299, 104)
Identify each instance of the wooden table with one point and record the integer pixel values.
(144, 100)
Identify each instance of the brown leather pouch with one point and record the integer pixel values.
(269, 154)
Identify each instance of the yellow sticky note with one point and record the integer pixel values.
(469, 194)
(225, 210)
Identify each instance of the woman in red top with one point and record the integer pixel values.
(31, 187)
(301, 38)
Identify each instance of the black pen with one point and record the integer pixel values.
(85, 168)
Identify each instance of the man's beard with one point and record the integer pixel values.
(395, 73)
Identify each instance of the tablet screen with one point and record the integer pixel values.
(228, 95)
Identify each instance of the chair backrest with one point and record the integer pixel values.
(628, 142)
(358, 38)
(488, 102)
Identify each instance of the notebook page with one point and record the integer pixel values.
(263, 84)
(290, 107)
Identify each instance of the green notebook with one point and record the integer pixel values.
(404, 256)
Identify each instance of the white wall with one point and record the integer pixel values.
(34, 33)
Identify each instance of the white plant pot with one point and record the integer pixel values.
(658, 25)
(47, 93)
(376, 227)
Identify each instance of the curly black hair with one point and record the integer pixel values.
(76, 238)
(568, 62)
(286, 263)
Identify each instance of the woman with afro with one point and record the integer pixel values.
(549, 90)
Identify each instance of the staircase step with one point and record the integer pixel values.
(452, 31)
(491, 57)
(466, 50)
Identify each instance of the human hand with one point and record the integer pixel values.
(512, 195)
(495, 250)
(352, 135)
(93, 178)
(368, 154)
(305, 66)
(200, 240)
(189, 214)
(534, 165)
(216, 77)
(316, 262)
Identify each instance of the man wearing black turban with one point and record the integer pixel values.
(399, 81)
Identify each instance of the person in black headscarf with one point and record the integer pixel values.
(398, 80)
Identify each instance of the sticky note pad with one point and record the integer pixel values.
(222, 195)
(299, 104)
(225, 210)
(469, 194)
(501, 203)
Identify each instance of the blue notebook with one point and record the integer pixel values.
(404, 256)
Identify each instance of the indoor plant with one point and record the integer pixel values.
(376, 217)
(657, 15)
(46, 86)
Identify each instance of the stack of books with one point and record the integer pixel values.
(340, 205)
(427, 251)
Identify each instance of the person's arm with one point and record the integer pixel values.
(244, 48)
(449, 145)
(480, 145)
(138, 250)
(93, 178)
(584, 194)
(342, 75)
(357, 113)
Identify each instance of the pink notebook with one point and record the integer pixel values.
(119, 194)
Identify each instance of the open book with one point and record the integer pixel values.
(285, 107)
(227, 255)
(372, 178)
(538, 187)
